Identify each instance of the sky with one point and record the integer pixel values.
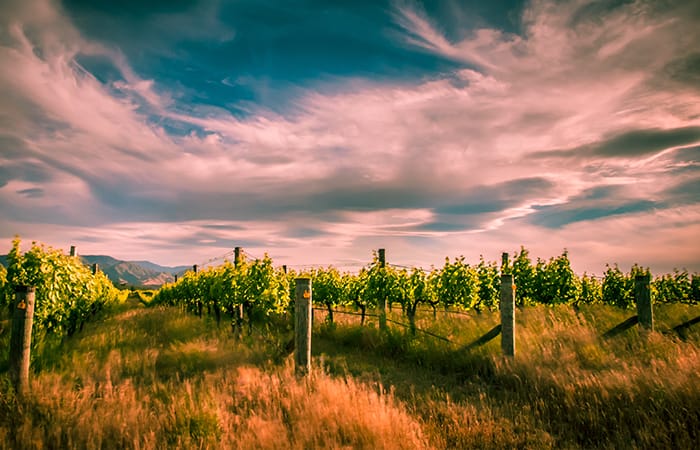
(318, 131)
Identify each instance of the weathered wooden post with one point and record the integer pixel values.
(642, 296)
(194, 268)
(95, 268)
(21, 338)
(284, 268)
(302, 326)
(504, 263)
(236, 263)
(381, 254)
(507, 307)
(72, 250)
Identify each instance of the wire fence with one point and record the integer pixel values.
(405, 325)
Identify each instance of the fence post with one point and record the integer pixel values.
(194, 268)
(21, 338)
(95, 268)
(507, 307)
(504, 262)
(642, 296)
(381, 253)
(302, 326)
(236, 263)
(72, 250)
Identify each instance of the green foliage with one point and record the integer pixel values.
(328, 289)
(355, 286)
(4, 298)
(380, 284)
(259, 289)
(256, 287)
(674, 287)
(695, 288)
(67, 293)
(591, 290)
(457, 284)
(617, 288)
(524, 277)
(555, 282)
(489, 284)
(420, 288)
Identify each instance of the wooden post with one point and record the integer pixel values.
(284, 268)
(194, 268)
(381, 253)
(236, 256)
(507, 315)
(175, 275)
(302, 326)
(642, 296)
(72, 250)
(504, 262)
(95, 268)
(236, 263)
(21, 338)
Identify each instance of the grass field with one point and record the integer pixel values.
(154, 377)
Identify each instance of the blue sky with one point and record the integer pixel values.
(318, 131)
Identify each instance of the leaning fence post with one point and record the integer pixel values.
(21, 337)
(642, 296)
(302, 326)
(507, 307)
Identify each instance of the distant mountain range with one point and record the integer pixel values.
(130, 273)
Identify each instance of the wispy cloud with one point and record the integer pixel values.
(589, 118)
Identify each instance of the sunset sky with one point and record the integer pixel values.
(318, 131)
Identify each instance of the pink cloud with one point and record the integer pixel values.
(561, 85)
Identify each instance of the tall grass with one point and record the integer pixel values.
(158, 378)
(567, 386)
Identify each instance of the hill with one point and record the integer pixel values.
(141, 273)
(158, 268)
(129, 273)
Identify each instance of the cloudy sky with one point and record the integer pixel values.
(317, 130)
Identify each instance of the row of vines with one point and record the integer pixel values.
(67, 292)
(252, 290)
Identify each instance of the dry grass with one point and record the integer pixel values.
(152, 378)
(157, 378)
(566, 388)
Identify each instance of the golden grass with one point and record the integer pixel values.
(152, 378)
(567, 387)
(157, 378)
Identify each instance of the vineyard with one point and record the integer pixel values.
(204, 362)
(250, 291)
(68, 293)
